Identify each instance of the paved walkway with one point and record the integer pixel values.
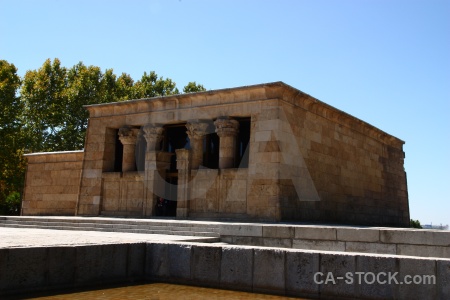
(30, 237)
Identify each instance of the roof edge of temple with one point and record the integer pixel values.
(272, 90)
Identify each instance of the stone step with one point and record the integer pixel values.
(152, 223)
(167, 230)
(112, 226)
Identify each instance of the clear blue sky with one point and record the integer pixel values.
(386, 62)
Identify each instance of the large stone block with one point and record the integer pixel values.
(412, 271)
(206, 263)
(26, 269)
(157, 260)
(275, 242)
(278, 231)
(61, 266)
(372, 277)
(357, 234)
(443, 279)
(336, 265)
(300, 269)
(315, 233)
(421, 250)
(418, 237)
(113, 262)
(136, 261)
(319, 245)
(179, 261)
(89, 264)
(4, 270)
(269, 271)
(241, 229)
(370, 247)
(236, 268)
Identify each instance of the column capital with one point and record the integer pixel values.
(153, 134)
(128, 135)
(226, 127)
(196, 129)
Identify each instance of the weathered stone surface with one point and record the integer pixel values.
(61, 265)
(157, 263)
(53, 183)
(236, 268)
(179, 257)
(411, 274)
(278, 232)
(319, 245)
(315, 233)
(89, 264)
(135, 260)
(443, 279)
(206, 263)
(25, 268)
(371, 247)
(421, 250)
(338, 265)
(372, 277)
(357, 234)
(268, 270)
(300, 269)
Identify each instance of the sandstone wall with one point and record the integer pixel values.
(52, 183)
(219, 194)
(356, 170)
(123, 194)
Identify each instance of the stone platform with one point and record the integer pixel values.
(34, 259)
(379, 240)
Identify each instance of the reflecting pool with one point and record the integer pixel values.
(157, 291)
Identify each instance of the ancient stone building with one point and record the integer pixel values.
(266, 152)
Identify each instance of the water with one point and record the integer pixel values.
(158, 291)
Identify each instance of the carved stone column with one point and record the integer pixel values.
(183, 160)
(196, 132)
(227, 130)
(153, 134)
(128, 137)
(156, 162)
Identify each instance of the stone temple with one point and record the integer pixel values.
(265, 152)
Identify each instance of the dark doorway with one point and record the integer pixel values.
(175, 137)
(242, 140)
(118, 153)
(167, 206)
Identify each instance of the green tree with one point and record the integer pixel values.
(44, 98)
(150, 85)
(415, 224)
(11, 140)
(49, 114)
(124, 89)
(85, 85)
(193, 87)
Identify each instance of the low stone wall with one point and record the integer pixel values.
(45, 268)
(52, 183)
(382, 240)
(259, 269)
(292, 272)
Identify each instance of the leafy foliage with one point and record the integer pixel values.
(415, 224)
(11, 138)
(193, 87)
(49, 114)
